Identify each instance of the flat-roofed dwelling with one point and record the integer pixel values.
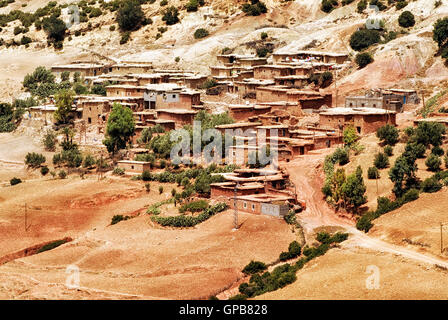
(86, 69)
(364, 120)
(289, 55)
(391, 99)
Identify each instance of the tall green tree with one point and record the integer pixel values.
(130, 15)
(350, 137)
(354, 190)
(120, 128)
(64, 104)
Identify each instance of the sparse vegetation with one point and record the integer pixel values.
(406, 19)
(363, 59)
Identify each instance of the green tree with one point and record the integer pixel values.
(55, 29)
(406, 19)
(41, 82)
(363, 59)
(170, 15)
(381, 160)
(402, 174)
(354, 190)
(120, 128)
(350, 136)
(433, 162)
(64, 104)
(388, 134)
(440, 32)
(130, 15)
(364, 38)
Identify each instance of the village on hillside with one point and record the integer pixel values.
(223, 150)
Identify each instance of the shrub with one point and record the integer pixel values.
(254, 8)
(263, 36)
(363, 59)
(364, 223)
(364, 38)
(254, 267)
(430, 185)
(15, 181)
(406, 19)
(381, 161)
(51, 245)
(118, 218)
(361, 6)
(194, 206)
(433, 162)
(415, 149)
(62, 174)
(34, 160)
(193, 5)
(341, 156)
(146, 175)
(49, 141)
(89, 162)
(160, 190)
(388, 134)
(44, 171)
(294, 249)
(388, 150)
(200, 33)
(438, 151)
(373, 173)
(118, 171)
(125, 36)
(170, 15)
(410, 195)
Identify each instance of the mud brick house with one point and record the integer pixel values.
(408, 95)
(309, 101)
(95, 111)
(241, 153)
(276, 130)
(293, 108)
(167, 125)
(242, 112)
(227, 189)
(247, 88)
(286, 55)
(136, 167)
(143, 117)
(246, 61)
(243, 126)
(267, 204)
(382, 100)
(123, 68)
(364, 120)
(41, 114)
(125, 91)
(293, 81)
(191, 81)
(181, 117)
(170, 95)
(272, 71)
(85, 69)
(224, 73)
(144, 79)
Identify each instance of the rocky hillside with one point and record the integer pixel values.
(407, 59)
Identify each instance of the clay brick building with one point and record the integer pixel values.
(170, 95)
(364, 120)
(286, 55)
(180, 117)
(267, 204)
(136, 167)
(125, 91)
(84, 69)
(242, 112)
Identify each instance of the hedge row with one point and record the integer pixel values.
(189, 221)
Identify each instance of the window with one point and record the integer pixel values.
(244, 204)
(89, 120)
(132, 167)
(253, 207)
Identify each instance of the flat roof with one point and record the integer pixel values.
(238, 125)
(354, 111)
(78, 66)
(133, 162)
(284, 51)
(177, 111)
(265, 197)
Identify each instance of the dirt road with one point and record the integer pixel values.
(306, 174)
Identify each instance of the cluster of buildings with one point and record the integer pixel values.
(274, 98)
